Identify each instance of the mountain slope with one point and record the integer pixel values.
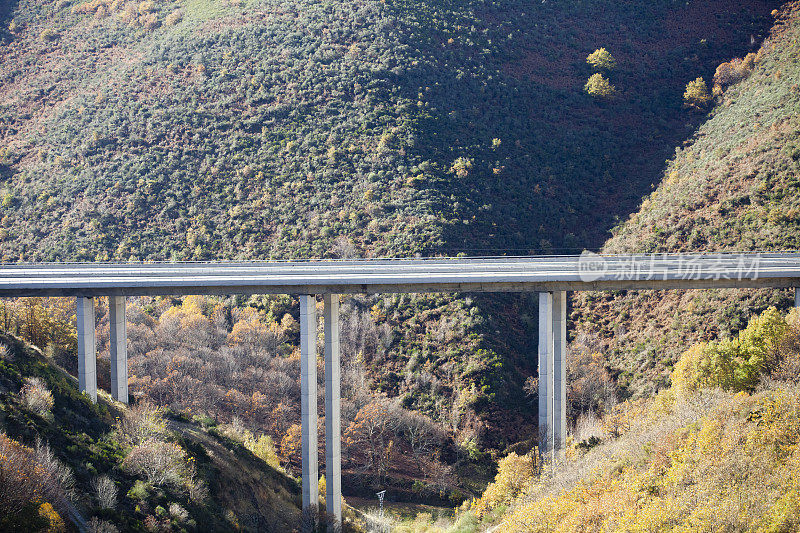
(734, 186)
(226, 485)
(200, 129)
(721, 458)
(193, 130)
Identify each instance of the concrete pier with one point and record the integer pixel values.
(545, 374)
(797, 296)
(333, 443)
(87, 355)
(308, 399)
(118, 348)
(552, 374)
(559, 372)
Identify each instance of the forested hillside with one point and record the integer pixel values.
(733, 186)
(254, 129)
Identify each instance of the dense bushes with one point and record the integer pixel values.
(736, 364)
(123, 464)
(31, 485)
(693, 458)
(151, 455)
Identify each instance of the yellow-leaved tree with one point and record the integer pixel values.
(512, 474)
(601, 59)
(697, 95)
(598, 86)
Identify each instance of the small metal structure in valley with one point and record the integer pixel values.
(381, 495)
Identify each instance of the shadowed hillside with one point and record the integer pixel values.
(733, 186)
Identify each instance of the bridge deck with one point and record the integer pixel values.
(495, 274)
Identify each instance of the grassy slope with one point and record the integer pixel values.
(734, 186)
(270, 129)
(260, 498)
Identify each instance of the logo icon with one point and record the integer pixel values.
(591, 266)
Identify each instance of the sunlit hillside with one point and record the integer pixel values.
(733, 186)
(178, 130)
(717, 451)
(202, 129)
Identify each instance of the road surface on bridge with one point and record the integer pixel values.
(491, 274)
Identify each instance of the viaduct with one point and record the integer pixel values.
(550, 276)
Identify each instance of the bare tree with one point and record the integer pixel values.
(424, 436)
(106, 491)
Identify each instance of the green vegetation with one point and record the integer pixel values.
(601, 59)
(599, 86)
(199, 129)
(696, 94)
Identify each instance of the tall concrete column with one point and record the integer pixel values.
(333, 441)
(559, 372)
(308, 399)
(119, 348)
(545, 374)
(87, 355)
(797, 296)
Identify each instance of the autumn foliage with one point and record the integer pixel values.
(27, 488)
(718, 451)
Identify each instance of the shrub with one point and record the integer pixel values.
(601, 59)
(264, 449)
(512, 473)
(101, 526)
(139, 490)
(461, 167)
(36, 397)
(696, 94)
(178, 513)
(736, 364)
(733, 71)
(59, 475)
(149, 21)
(106, 492)
(139, 423)
(173, 18)
(49, 35)
(26, 484)
(597, 85)
(55, 524)
(146, 7)
(161, 463)
(262, 446)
